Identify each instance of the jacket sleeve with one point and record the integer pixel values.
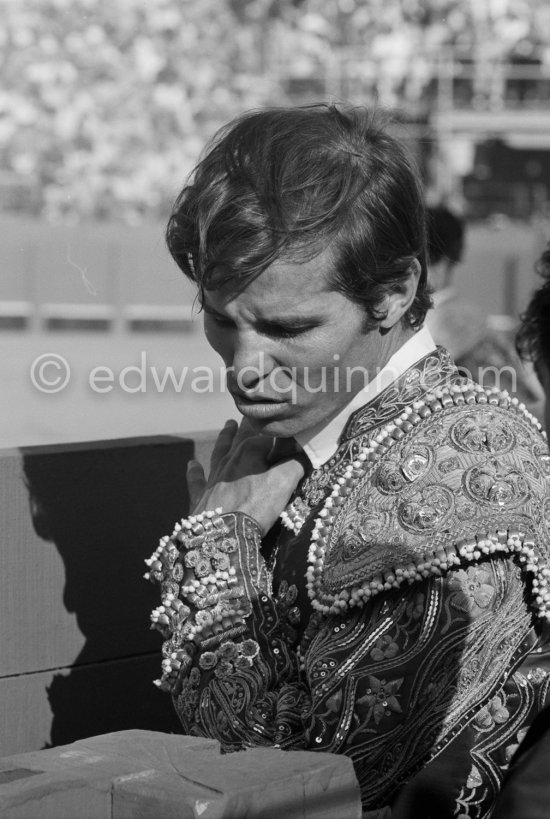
(391, 684)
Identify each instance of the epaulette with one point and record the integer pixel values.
(461, 474)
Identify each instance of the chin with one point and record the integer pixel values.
(277, 428)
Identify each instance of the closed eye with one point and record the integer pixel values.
(217, 317)
(285, 331)
(269, 328)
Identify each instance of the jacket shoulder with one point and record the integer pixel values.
(460, 468)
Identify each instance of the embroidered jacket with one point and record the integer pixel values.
(400, 623)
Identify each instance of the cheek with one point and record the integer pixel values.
(329, 359)
(217, 339)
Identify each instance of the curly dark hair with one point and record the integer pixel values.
(445, 235)
(533, 336)
(289, 183)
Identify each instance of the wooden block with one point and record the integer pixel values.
(113, 754)
(76, 780)
(153, 749)
(153, 793)
(142, 774)
(260, 783)
(37, 795)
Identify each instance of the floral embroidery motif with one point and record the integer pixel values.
(545, 513)
(464, 508)
(315, 487)
(537, 675)
(531, 468)
(373, 522)
(415, 609)
(416, 463)
(474, 780)
(471, 589)
(432, 370)
(448, 465)
(426, 509)
(381, 699)
(385, 648)
(483, 432)
(395, 474)
(289, 613)
(543, 459)
(352, 543)
(500, 486)
(389, 479)
(229, 657)
(187, 700)
(494, 713)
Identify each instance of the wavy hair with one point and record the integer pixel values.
(289, 183)
(446, 231)
(533, 335)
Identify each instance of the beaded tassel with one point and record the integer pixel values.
(200, 543)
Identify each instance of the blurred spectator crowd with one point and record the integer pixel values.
(105, 104)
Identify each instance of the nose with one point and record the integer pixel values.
(251, 363)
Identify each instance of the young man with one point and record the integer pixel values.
(481, 352)
(526, 792)
(374, 582)
(456, 323)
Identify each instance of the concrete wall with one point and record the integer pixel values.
(77, 657)
(96, 274)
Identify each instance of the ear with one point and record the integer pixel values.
(398, 301)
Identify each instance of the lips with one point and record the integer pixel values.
(258, 409)
(240, 397)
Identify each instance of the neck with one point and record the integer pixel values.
(389, 342)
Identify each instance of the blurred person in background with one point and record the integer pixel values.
(455, 323)
(483, 353)
(358, 572)
(526, 788)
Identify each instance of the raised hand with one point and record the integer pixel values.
(249, 473)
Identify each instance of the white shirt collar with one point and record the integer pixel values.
(321, 442)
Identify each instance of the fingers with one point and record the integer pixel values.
(196, 482)
(245, 430)
(224, 443)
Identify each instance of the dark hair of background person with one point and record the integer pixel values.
(289, 183)
(533, 336)
(445, 235)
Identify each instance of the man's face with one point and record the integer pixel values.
(290, 345)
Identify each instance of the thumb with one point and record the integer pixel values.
(196, 482)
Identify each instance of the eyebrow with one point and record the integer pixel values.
(290, 322)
